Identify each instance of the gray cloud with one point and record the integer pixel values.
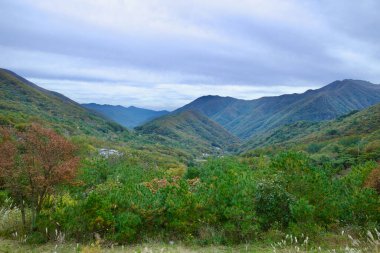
(147, 53)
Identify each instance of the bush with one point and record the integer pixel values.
(193, 172)
(127, 226)
(36, 238)
(226, 196)
(303, 219)
(272, 205)
(225, 200)
(314, 148)
(4, 199)
(302, 211)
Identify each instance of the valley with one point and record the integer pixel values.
(217, 171)
(189, 126)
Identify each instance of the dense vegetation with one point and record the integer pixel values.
(351, 138)
(22, 102)
(191, 131)
(225, 200)
(180, 177)
(244, 118)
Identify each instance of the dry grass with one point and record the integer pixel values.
(289, 245)
(10, 219)
(17, 247)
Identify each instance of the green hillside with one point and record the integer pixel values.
(245, 118)
(191, 131)
(22, 102)
(126, 116)
(352, 136)
(179, 179)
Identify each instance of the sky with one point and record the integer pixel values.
(162, 54)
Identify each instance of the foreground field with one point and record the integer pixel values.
(332, 243)
(12, 246)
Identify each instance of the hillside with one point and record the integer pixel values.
(245, 118)
(22, 101)
(129, 117)
(354, 134)
(190, 130)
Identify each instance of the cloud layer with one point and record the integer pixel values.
(162, 53)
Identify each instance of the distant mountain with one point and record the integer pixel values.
(354, 133)
(22, 101)
(190, 130)
(245, 118)
(126, 116)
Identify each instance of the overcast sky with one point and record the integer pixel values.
(161, 54)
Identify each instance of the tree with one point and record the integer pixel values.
(33, 162)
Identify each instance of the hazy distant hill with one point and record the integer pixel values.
(22, 101)
(126, 116)
(190, 130)
(244, 118)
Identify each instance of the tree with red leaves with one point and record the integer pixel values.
(33, 162)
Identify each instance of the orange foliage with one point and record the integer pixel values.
(156, 184)
(33, 162)
(373, 180)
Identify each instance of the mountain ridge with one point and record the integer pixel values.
(208, 123)
(190, 130)
(354, 134)
(23, 101)
(129, 117)
(244, 118)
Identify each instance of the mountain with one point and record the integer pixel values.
(244, 118)
(126, 116)
(22, 101)
(356, 133)
(190, 130)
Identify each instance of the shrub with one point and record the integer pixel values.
(36, 237)
(303, 218)
(314, 148)
(272, 205)
(4, 198)
(225, 194)
(225, 200)
(127, 226)
(373, 180)
(332, 132)
(302, 211)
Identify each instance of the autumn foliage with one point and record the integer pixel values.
(33, 161)
(373, 180)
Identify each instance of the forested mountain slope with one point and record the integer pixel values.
(355, 135)
(190, 130)
(245, 118)
(22, 101)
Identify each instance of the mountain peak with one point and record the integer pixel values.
(246, 117)
(348, 82)
(210, 97)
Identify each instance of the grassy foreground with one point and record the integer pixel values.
(7, 245)
(14, 246)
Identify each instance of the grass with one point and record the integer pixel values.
(287, 245)
(17, 247)
(14, 246)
